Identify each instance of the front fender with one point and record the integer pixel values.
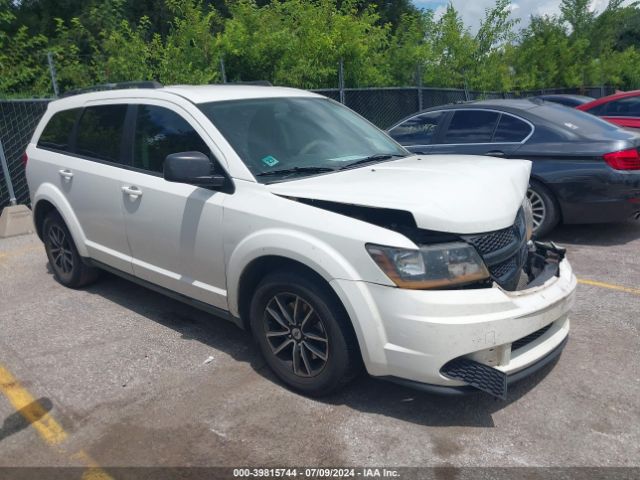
(50, 193)
(304, 248)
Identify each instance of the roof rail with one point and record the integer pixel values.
(261, 83)
(113, 86)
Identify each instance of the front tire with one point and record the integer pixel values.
(66, 264)
(304, 333)
(546, 214)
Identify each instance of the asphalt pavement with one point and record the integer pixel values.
(117, 375)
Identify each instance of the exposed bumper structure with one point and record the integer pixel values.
(425, 330)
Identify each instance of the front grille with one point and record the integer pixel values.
(532, 337)
(483, 377)
(503, 251)
(494, 241)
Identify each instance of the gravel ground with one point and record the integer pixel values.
(124, 371)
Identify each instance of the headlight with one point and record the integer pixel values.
(431, 266)
(528, 217)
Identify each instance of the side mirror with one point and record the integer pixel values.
(191, 167)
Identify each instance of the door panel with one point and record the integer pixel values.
(94, 194)
(174, 229)
(175, 235)
(626, 122)
(419, 149)
(92, 184)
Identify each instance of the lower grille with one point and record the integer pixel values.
(532, 337)
(478, 375)
(504, 268)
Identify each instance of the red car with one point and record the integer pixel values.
(621, 108)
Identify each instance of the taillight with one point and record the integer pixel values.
(25, 159)
(624, 159)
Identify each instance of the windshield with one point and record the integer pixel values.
(280, 138)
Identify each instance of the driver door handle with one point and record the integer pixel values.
(66, 174)
(132, 191)
(495, 153)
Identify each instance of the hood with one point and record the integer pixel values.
(447, 193)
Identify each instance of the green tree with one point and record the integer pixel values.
(22, 58)
(300, 43)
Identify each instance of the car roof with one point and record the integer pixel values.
(517, 103)
(539, 113)
(219, 93)
(565, 95)
(193, 93)
(608, 98)
(500, 104)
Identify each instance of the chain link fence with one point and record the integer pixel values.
(18, 120)
(381, 106)
(385, 106)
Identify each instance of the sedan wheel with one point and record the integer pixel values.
(544, 208)
(538, 209)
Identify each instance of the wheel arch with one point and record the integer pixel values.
(259, 268)
(552, 191)
(47, 199)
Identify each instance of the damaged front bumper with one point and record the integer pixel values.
(453, 341)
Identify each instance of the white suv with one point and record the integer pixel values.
(295, 218)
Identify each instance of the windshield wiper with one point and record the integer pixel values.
(294, 170)
(372, 159)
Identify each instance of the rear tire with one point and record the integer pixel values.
(304, 333)
(546, 213)
(66, 264)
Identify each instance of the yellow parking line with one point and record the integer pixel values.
(610, 286)
(34, 413)
(50, 430)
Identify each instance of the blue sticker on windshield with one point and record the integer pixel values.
(270, 161)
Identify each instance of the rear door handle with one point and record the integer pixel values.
(66, 174)
(495, 153)
(133, 192)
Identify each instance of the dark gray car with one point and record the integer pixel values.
(565, 99)
(585, 170)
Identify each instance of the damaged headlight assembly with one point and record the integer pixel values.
(430, 266)
(527, 210)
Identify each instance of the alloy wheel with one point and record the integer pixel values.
(296, 334)
(538, 208)
(60, 250)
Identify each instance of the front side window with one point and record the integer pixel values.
(418, 130)
(298, 136)
(471, 126)
(100, 132)
(511, 130)
(57, 134)
(161, 132)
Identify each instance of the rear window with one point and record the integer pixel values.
(511, 129)
(100, 132)
(57, 133)
(574, 121)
